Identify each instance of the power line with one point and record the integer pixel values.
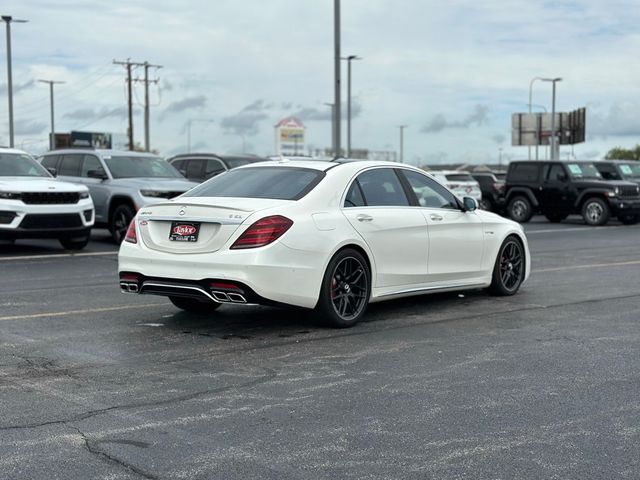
(128, 64)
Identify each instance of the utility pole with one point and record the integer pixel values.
(349, 59)
(337, 85)
(52, 141)
(402, 127)
(333, 128)
(128, 64)
(8, 19)
(146, 81)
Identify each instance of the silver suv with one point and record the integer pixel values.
(120, 182)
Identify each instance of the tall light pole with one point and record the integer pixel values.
(555, 150)
(349, 59)
(189, 122)
(337, 85)
(52, 142)
(530, 101)
(542, 107)
(402, 127)
(8, 19)
(333, 128)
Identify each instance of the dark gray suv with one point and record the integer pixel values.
(120, 182)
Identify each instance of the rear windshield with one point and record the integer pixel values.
(20, 165)
(140, 167)
(459, 177)
(630, 170)
(279, 183)
(583, 170)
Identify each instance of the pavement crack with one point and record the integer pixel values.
(94, 450)
(269, 375)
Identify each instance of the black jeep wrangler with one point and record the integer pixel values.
(558, 189)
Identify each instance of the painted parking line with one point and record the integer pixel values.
(81, 312)
(576, 229)
(57, 255)
(593, 265)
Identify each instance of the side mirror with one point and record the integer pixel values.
(52, 171)
(97, 173)
(470, 204)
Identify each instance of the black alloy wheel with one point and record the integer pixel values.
(194, 306)
(346, 289)
(509, 269)
(119, 223)
(520, 209)
(595, 212)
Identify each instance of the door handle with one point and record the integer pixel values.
(435, 217)
(364, 218)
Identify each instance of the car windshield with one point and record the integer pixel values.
(583, 170)
(123, 166)
(20, 165)
(630, 170)
(279, 183)
(459, 177)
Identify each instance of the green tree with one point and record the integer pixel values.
(619, 153)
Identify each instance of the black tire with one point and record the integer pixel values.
(119, 222)
(629, 219)
(595, 211)
(520, 209)
(194, 306)
(345, 291)
(555, 217)
(75, 243)
(509, 269)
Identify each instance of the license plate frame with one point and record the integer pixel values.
(184, 237)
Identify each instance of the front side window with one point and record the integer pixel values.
(430, 194)
(20, 165)
(90, 162)
(279, 183)
(124, 166)
(382, 188)
(50, 161)
(556, 173)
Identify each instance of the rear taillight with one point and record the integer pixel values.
(132, 235)
(498, 187)
(263, 232)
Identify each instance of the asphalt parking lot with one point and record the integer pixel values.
(546, 384)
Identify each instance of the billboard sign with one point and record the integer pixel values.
(290, 137)
(535, 128)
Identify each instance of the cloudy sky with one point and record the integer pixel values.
(453, 71)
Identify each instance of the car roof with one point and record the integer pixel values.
(12, 150)
(248, 156)
(449, 172)
(324, 165)
(102, 152)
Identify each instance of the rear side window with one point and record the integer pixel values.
(523, 172)
(213, 168)
(279, 183)
(194, 169)
(70, 165)
(354, 196)
(179, 164)
(382, 188)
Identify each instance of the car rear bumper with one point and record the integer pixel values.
(272, 274)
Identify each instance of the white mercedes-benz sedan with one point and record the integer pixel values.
(329, 236)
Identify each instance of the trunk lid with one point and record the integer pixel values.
(218, 219)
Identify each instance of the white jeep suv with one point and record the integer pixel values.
(33, 204)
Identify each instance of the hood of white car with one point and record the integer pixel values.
(38, 184)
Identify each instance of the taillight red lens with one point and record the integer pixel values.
(498, 187)
(263, 232)
(132, 235)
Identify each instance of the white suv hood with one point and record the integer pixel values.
(38, 184)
